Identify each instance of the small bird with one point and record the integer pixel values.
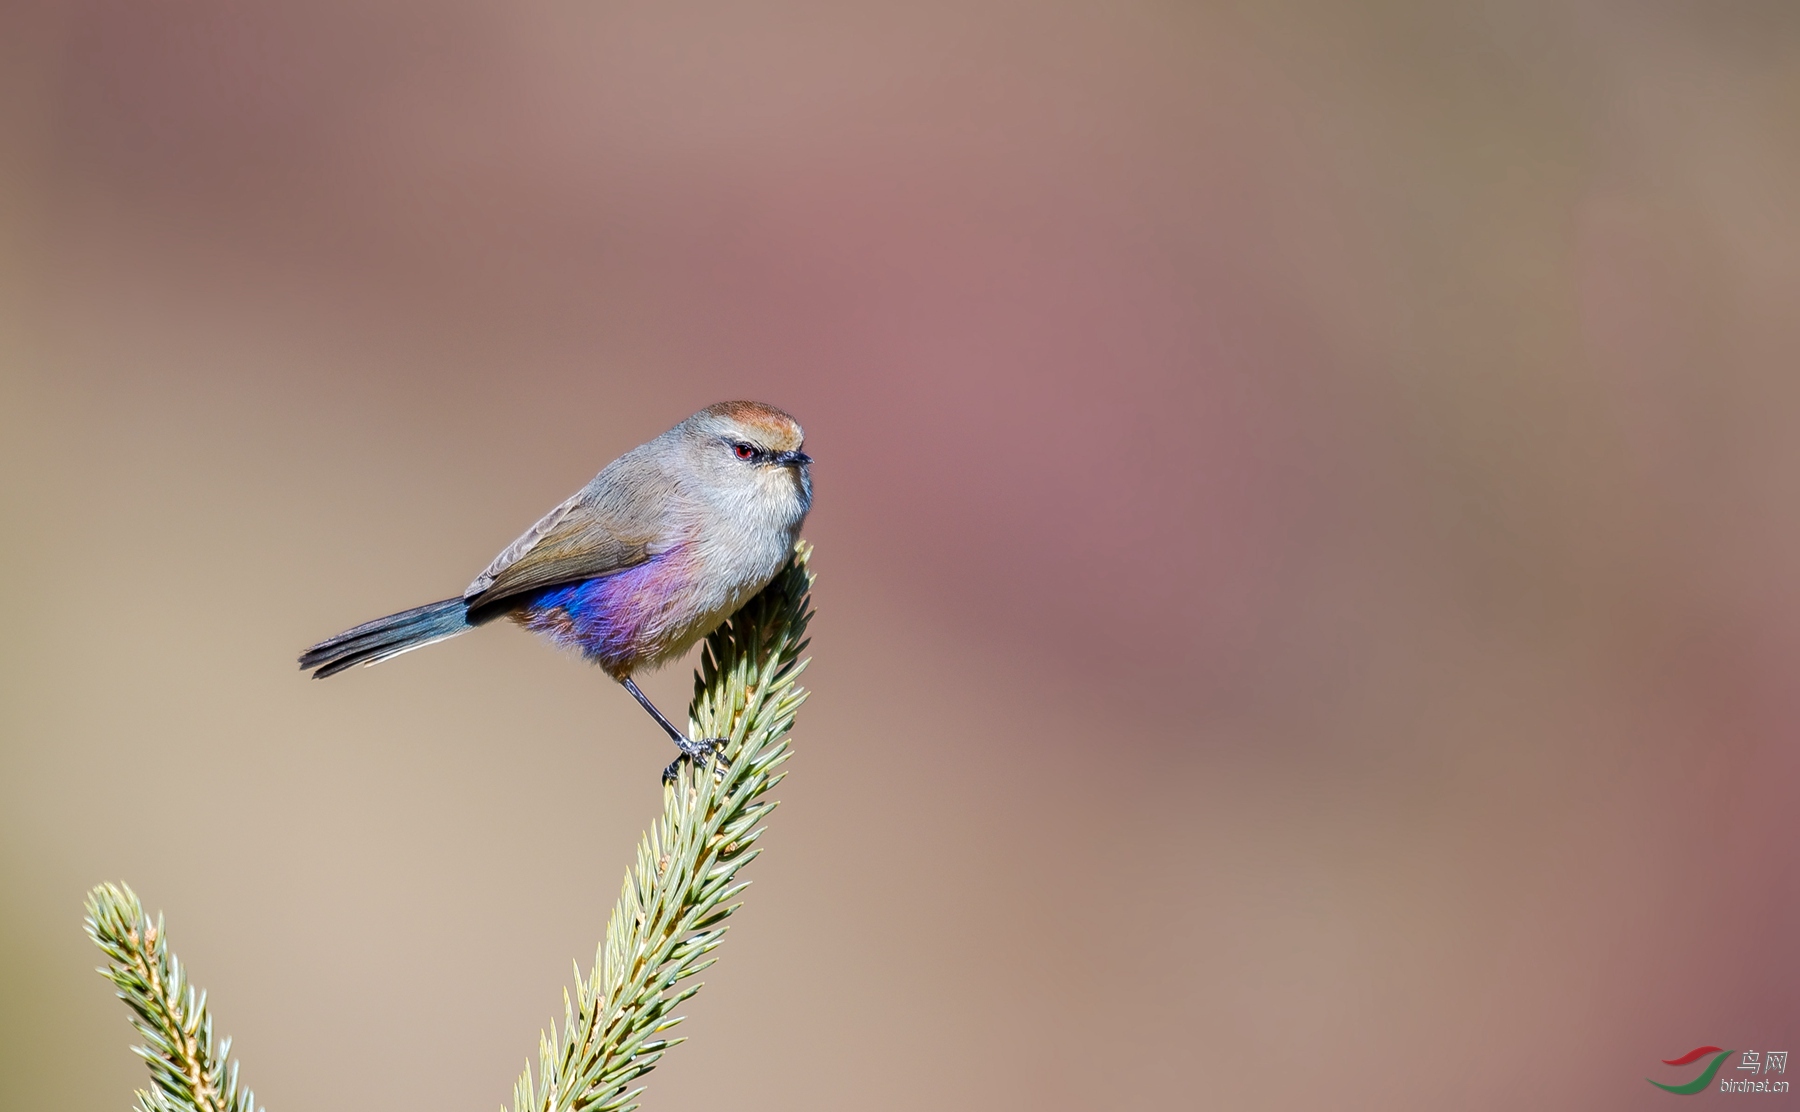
(651, 556)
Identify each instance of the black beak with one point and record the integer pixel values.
(789, 459)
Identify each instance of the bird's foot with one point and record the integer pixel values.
(699, 752)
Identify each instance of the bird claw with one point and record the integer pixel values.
(699, 752)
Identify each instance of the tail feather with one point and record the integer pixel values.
(375, 641)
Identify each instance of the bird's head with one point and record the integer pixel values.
(752, 451)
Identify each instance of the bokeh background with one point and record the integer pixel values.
(1308, 517)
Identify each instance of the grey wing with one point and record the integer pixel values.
(587, 536)
(510, 555)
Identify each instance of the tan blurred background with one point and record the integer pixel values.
(1308, 517)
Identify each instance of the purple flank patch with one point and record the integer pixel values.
(616, 621)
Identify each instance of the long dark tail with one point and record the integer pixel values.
(390, 636)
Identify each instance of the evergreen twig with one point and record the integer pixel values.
(672, 911)
(186, 1072)
(669, 917)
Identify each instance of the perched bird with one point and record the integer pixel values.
(654, 554)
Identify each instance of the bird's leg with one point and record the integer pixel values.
(697, 751)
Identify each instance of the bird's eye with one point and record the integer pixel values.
(744, 451)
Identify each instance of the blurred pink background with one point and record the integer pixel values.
(1308, 510)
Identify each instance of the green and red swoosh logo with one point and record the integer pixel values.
(1706, 1075)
